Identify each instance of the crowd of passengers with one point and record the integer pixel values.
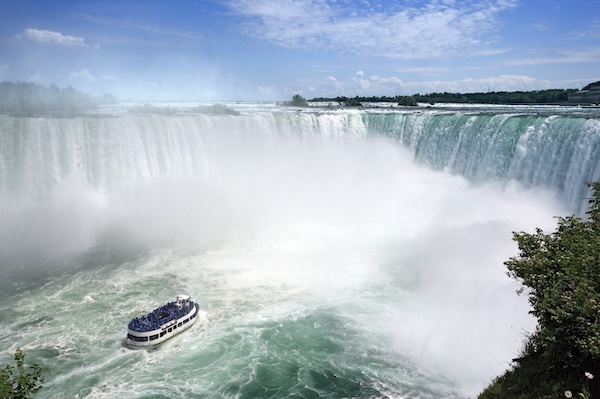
(158, 317)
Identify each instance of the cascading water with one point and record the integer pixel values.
(559, 152)
(327, 262)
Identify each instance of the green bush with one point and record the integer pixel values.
(561, 274)
(298, 101)
(23, 384)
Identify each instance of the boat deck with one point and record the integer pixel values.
(159, 316)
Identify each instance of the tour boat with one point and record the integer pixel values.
(162, 323)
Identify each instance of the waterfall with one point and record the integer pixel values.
(556, 152)
(37, 153)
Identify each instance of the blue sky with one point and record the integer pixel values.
(272, 49)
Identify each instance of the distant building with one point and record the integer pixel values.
(588, 95)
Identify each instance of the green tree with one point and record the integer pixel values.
(353, 102)
(23, 384)
(560, 273)
(298, 101)
(407, 101)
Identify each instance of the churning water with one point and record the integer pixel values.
(334, 253)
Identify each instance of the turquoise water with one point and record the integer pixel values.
(332, 256)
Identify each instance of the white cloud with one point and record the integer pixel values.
(392, 85)
(377, 84)
(329, 85)
(50, 37)
(364, 83)
(469, 85)
(82, 76)
(438, 29)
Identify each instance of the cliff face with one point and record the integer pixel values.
(589, 95)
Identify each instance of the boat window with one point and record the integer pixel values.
(136, 338)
